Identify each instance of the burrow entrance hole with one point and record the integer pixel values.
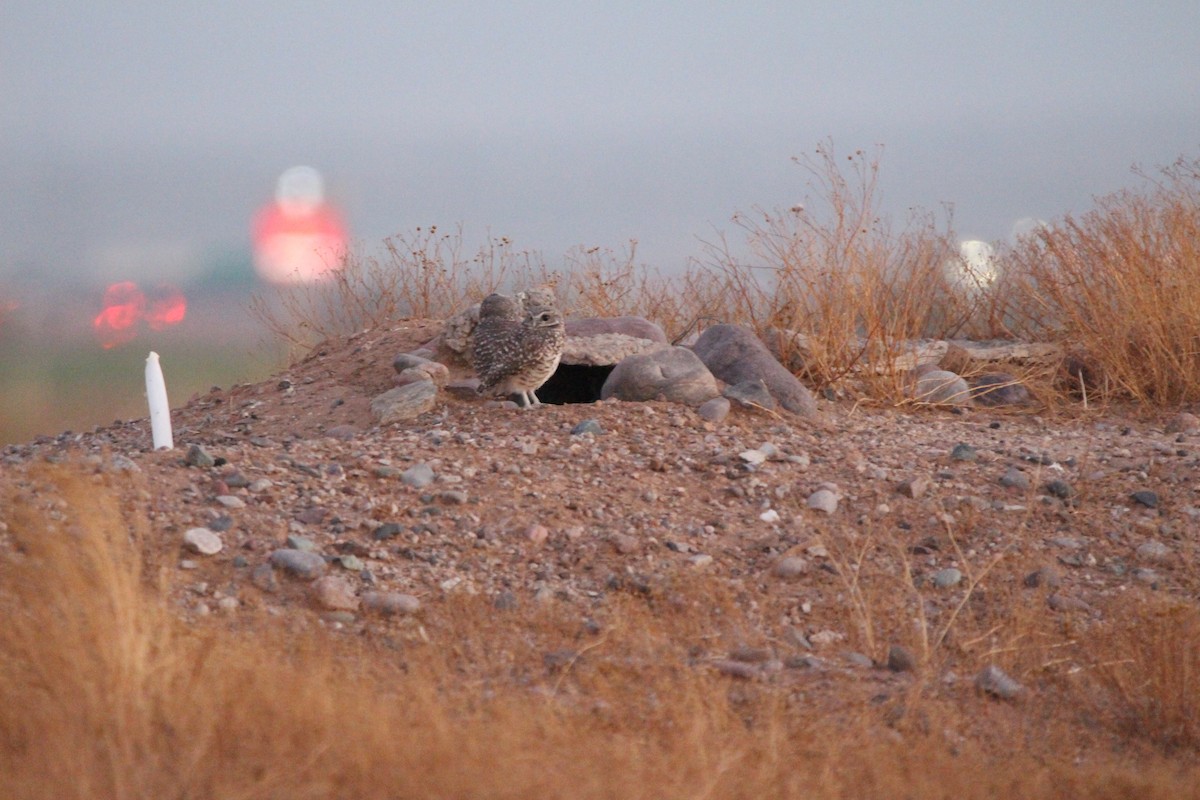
(574, 383)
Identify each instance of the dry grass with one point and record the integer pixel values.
(1120, 287)
(104, 692)
(841, 290)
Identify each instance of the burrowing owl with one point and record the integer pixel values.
(515, 352)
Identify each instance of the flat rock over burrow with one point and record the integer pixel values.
(637, 327)
(735, 355)
(675, 374)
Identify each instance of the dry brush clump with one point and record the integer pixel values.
(1119, 288)
(106, 692)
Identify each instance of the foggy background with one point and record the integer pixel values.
(139, 138)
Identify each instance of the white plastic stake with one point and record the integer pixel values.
(160, 409)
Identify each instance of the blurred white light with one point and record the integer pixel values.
(975, 269)
(300, 190)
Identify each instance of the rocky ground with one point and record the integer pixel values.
(288, 496)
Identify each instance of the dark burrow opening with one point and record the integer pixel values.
(574, 383)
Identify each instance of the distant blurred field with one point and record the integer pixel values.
(55, 375)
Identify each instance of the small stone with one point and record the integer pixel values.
(231, 501)
(824, 638)
(1146, 575)
(264, 578)
(996, 682)
(1145, 498)
(388, 530)
(260, 485)
(823, 500)
(859, 660)
(351, 563)
(1153, 551)
(390, 603)
(408, 361)
(899, 659)
(624, 543)
(301, 543)
(587, 426)
(963, 452)
(1014, 478)
(751, 394)
(1062, 602)
(418, 476)
(914, 487)
(197, 456)
(202, 541)
(753, 457)
(1046, 576)
(299, 563)
(505, 601)
(405, 402)
(790, 567)
(700, 560)
(1060, 489)
(335, 594)
(770, 515)
(537, 533)
(343, 433)
(714, 410)
(736, 669)
(1183, 422)
(945, 578)
(454, 497)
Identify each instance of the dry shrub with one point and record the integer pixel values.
(104, 692)
(1120, 287)
(843, 281)
(1142, 673)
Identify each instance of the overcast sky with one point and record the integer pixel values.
(138, 136)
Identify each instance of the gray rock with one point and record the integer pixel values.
(736, 669)
(587, 426)
(231, 501)
(940, 388)
(335, 593)
(996, 682)
(390, 603)
(714, 410)
(1145, 498)
(751, 394)
(1046, 576)
(343, 433)
(418, 476)
(299, 563)
(202, 541)
(605, 349)
(734, 354)
(1153, 551)
(1014, 478)
(301, 543)
(899, 659)
(999, 389)
(1183, 422)
(790, 567)
(913, 487)
(635, 327)
(823, 500)
(674, 374)
(1060, 489)
(945, 578)
(407, 361)
(1062, 602)
(197, 456)
(963, 452)
(263, 576)
(404, 402)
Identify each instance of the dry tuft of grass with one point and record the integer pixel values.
(105, 692)
(1119, 287)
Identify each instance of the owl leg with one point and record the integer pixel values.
(533, 398)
